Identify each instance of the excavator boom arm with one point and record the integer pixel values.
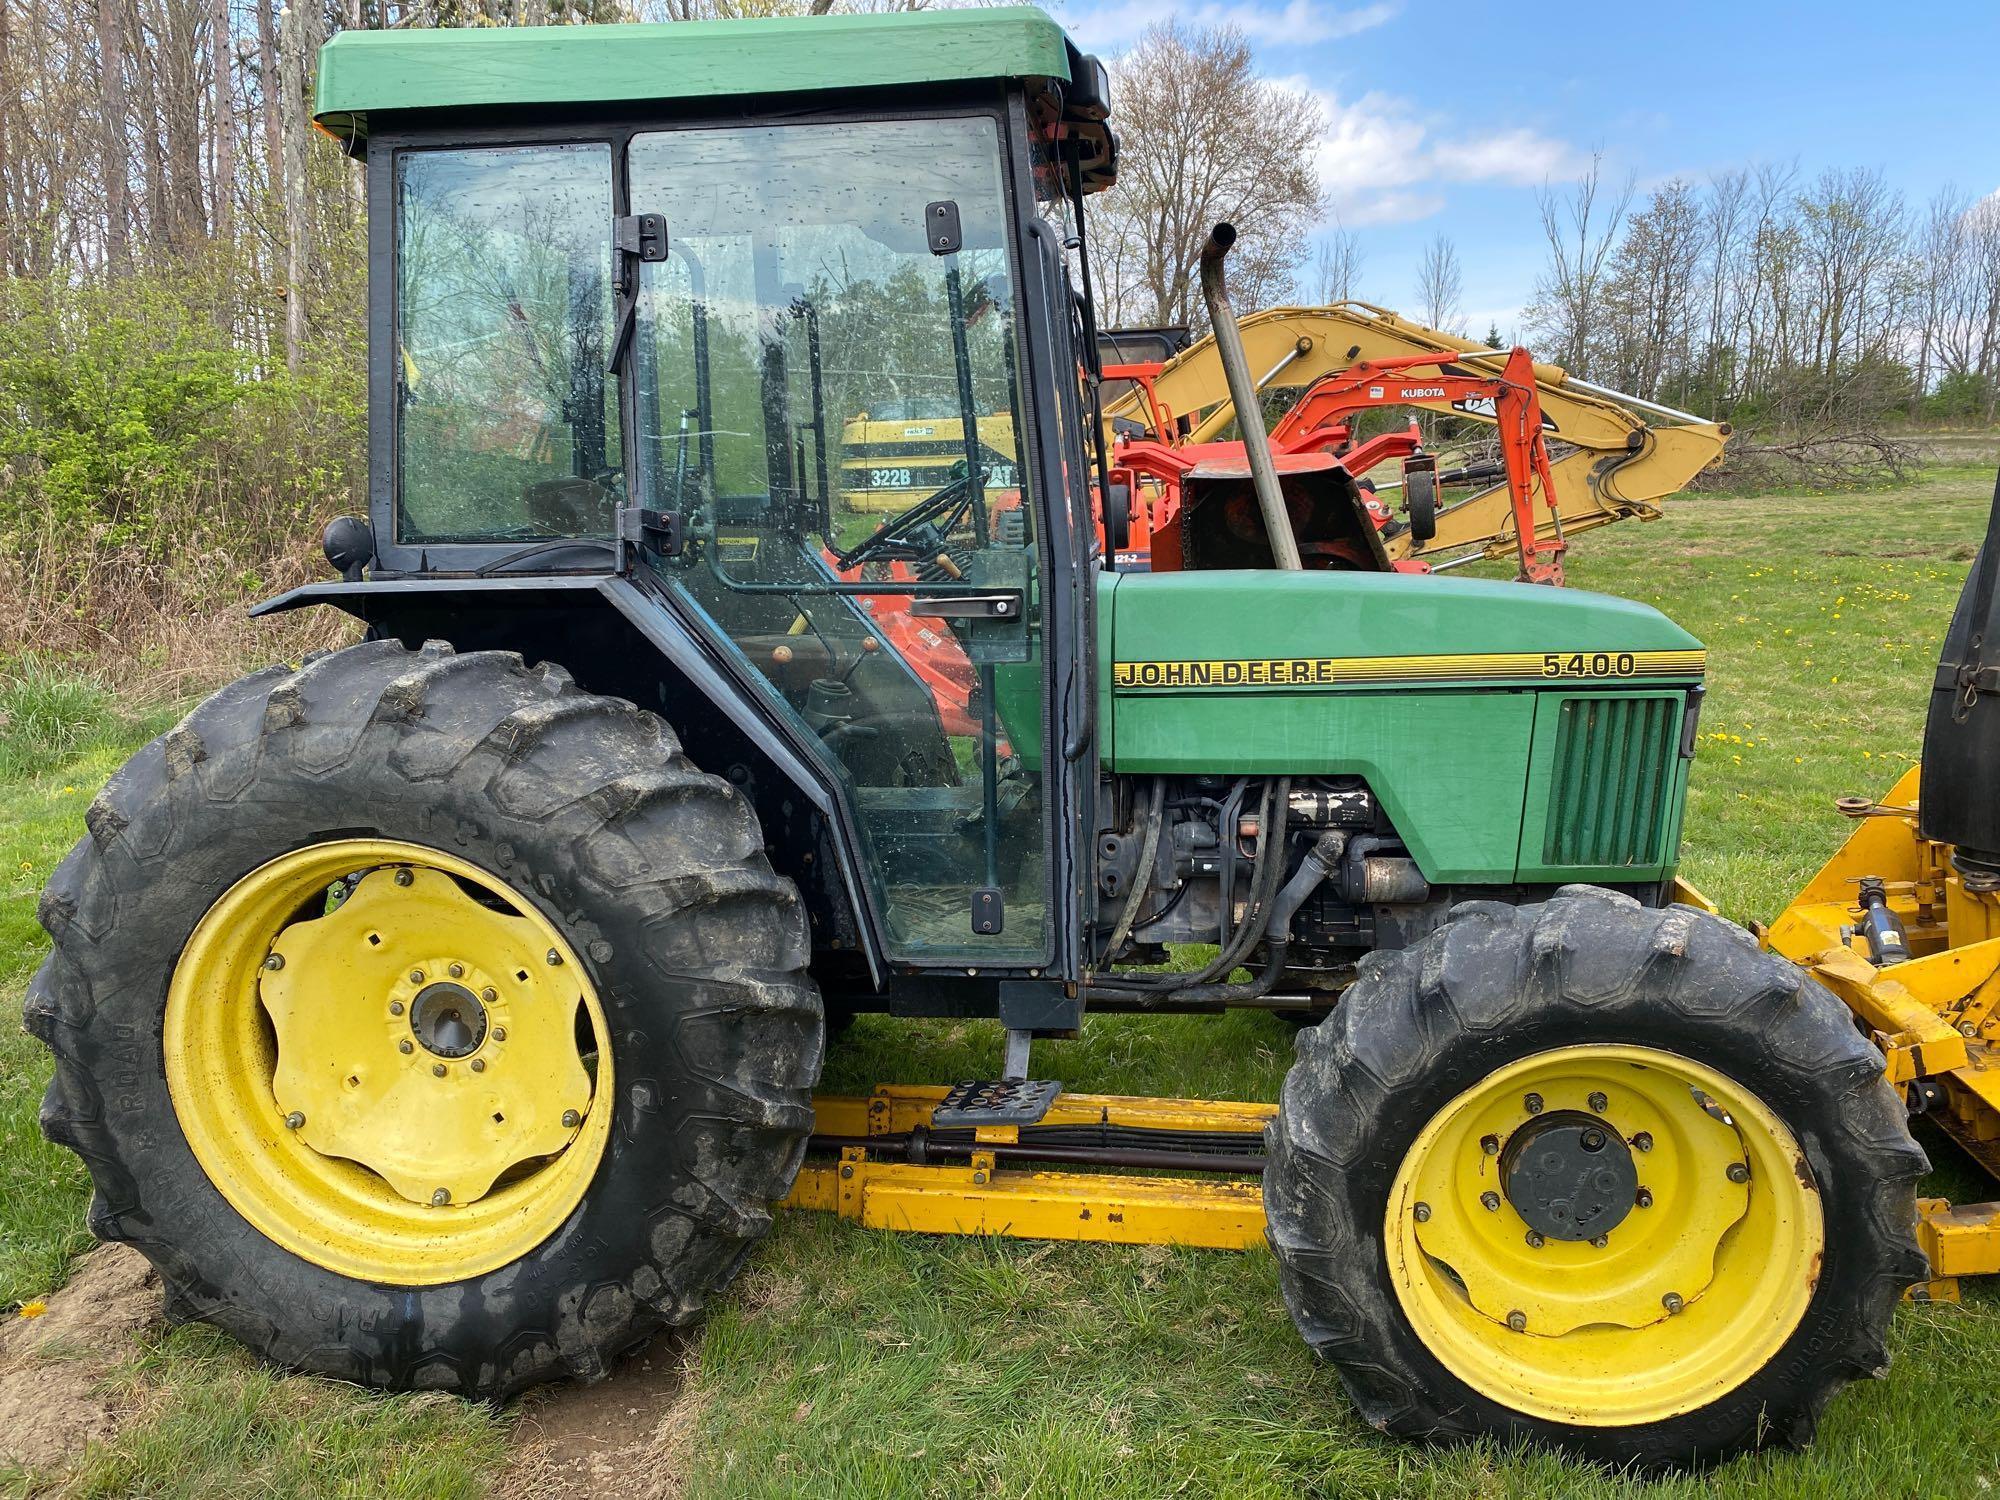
(1616, 466)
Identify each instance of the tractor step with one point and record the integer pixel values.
(1003, 1101)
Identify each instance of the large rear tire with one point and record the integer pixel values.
(1594, 1176)
(427, 1021)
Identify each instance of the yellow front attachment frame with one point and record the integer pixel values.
(979, 1196)
(1936, 1015)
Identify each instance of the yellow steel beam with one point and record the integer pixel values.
(1219, 1214)
(893, 1108)
(1936, 1016)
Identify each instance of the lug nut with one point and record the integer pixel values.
(1672, 1303)
(1490, 1202)
(499, 1032)
(1535, 1240)
(416, 976)
(457, 971)
(1598, 1103)
(274, 961)
(571, 1119)
(1738, 1172)
(294, 1120)
(437, 1070)
(1600, 1242)
(479, 1065)
(395, 1007)
(1490, 1144)
(1645, 1198)
(1532, 1104)
(1518, 1321)
(1643, 1141)
(405, 1046)
(489, 994)
(440, 1198)
(1421, 1213)
(404, 877)
(555, 959)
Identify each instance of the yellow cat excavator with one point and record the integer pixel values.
(1612, 456)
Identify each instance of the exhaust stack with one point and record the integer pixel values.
(1243, 396)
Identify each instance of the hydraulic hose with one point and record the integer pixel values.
(1268, 873)
(1142, 874)
(1320, 862)
(1243, 396)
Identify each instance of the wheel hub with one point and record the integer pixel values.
(448, 1020)
(1569, 1176)
(1581, 1194)
(424, 1035)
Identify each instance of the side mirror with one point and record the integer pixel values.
(1089, 96)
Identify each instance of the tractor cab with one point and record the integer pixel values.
(753, 313)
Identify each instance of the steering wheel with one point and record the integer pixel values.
(936, 513)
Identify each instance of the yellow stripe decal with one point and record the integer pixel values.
(1326, 671)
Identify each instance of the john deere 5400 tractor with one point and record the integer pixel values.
(444, 1011)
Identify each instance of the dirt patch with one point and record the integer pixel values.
(630, 1435)
(54, 1397)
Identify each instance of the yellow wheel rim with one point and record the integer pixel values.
(389, 1062)
(1658, 1305)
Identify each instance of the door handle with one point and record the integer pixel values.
(1005, 605)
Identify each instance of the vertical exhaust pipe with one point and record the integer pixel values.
(1243, 396)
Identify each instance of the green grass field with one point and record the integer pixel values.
(853, 1363)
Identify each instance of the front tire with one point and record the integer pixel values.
(1594, 1176)
(287, 961)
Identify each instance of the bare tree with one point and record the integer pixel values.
(112, 128)
(1648, 304)
(298, 46)
(1582, 228)
(1204, 139)
(1441, 286)
(1337, 266)
(1936, 268)
(223, 124)
(1723, 217)
(8, 96)
(268, 81)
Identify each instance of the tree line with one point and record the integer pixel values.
(1763, 296)
(182, 271)
(1776, 299)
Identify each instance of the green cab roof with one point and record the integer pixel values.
(362, 73)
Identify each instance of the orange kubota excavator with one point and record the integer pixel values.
(1611, 462)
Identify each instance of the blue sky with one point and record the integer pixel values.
(1446, 118)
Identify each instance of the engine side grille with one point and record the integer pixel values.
(1612, 776)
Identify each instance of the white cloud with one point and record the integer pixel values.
(1116, 24)
(1381, 161)
(1518, 156)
